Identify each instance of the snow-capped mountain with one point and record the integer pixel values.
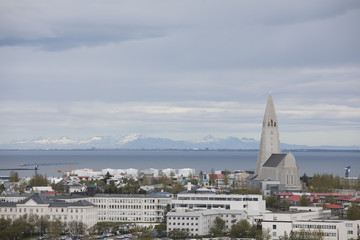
(138, 141)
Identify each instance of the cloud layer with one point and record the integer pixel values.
(180, 70)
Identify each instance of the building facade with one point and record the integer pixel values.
(40, 205)
(136, 208)
(199, 223)
(253, 205)
(309, 221)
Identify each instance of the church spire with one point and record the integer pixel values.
(270, 142)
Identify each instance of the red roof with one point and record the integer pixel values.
(315, 199)
(328, 194)
(293, 198)
(284, 194)
(217, 176)
(334, 206)
(51, 192)
(345, 198)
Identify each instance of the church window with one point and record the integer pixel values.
(287, 179)
(292, 179)
(268, 124)
(272, 123)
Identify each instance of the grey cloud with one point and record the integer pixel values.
(179, 54)
(86, 35)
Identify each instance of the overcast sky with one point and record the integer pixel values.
(180, 69)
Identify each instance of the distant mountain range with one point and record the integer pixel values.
(137, 141)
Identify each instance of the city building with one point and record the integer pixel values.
(199, 223)
(138, 208)
(253, 205)
(41, 205)
(309, 221)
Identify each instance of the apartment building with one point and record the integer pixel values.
(138, 208)
(198, 223)
(41, 205)
(309, 221)
(253, 205)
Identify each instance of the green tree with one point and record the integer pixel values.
(201, 176)
(226, 178)
(331, 200)
(55, 228)
(212, 177)
(14, 176)
(177, 187)
(242, 229)
(218, 229)
(265, 234)
(178, 233)
(2, 188)
(38, 180)
(305, 179)
(43, 225)
(285, 205)
(353, 212)
(272, 202)
(304, 201)
(76, 227)
(131, 187)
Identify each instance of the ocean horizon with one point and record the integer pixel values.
(309, 161)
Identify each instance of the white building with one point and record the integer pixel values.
(309, 220)
(253, 205)
(198, 223)
(178, 173)
(40, 205)
(151, 171)
(13, 197)
(120, 173)
(137, 208)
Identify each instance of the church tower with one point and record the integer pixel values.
(270, 142)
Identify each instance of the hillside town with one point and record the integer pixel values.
(178, 203)
(272, 202)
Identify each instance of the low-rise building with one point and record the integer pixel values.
(252, 204)
(138, 208)
(199, 223)
(309, 221)
(41, 205)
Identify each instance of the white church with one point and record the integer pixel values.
(275, 171)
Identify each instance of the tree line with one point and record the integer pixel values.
(328, 183)
(32, 225)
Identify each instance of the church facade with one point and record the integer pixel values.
(274, 170)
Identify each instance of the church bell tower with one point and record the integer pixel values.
(270, 142)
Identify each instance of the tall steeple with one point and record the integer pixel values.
(270, 142)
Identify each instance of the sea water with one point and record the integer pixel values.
(309, 161)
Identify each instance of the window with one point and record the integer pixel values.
(274, 234)
(274, 226)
